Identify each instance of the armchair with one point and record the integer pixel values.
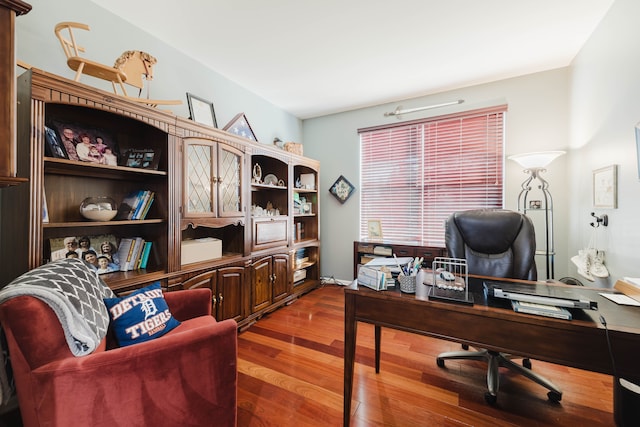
(187, 377)
(497, 243)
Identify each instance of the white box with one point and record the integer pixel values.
(197, 250)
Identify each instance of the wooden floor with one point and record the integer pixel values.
(290, 373)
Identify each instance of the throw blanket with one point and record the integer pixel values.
(75, 293)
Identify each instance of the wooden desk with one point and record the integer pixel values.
(580, 343)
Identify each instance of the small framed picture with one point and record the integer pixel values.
(144, 158)
(374, 227)
(201, 110)
(605, 187)
(342, 189)
(239, 125)
(535, 204)
(54, 147)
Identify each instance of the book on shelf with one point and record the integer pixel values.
(134, 261)
(145, 255)
(541, 309)
(124, 250)
(135, 205)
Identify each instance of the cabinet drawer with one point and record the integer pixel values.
(404, 251)
(269, 232)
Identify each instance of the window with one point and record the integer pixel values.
(415, 174)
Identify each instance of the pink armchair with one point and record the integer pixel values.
(186, 378)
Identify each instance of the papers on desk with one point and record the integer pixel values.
(372, 278)
(541, 309)
(621, 299)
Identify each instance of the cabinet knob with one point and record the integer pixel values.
(214, 300)
(214, 179)
(220, 297)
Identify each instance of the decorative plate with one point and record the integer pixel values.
(271, 179)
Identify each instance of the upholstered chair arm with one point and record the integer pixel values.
(189, 303)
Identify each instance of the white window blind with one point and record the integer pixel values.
(415, 174)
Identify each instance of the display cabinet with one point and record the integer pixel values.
(206, 188)
(47, 209)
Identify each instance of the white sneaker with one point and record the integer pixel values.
(597, 267)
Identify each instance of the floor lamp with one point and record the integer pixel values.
(534, 164)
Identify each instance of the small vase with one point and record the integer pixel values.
(98, 208)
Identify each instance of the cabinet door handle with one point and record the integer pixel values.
(220, 297)
(220, 179)
(214, 300)
(214, 179)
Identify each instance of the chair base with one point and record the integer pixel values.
(495, 360)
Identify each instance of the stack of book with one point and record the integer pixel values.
(133, 253)
(135, 205)
(301, 256)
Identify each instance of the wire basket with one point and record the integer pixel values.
(407, 284)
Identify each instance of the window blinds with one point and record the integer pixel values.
(415, 174)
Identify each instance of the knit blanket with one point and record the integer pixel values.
(75, 293)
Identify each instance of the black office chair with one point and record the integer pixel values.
(497, 243)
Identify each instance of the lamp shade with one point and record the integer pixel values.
(538, 159)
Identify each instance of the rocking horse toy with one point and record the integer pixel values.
(129, 68)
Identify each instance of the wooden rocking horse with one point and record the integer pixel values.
(129, 68)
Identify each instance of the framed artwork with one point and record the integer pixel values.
(201, 110)
(342, 189)
(54, 147)
(239, 125)
(374, 227)
(86, 144)
(605, 187)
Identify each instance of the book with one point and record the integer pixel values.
(541, 309)
(145, 254)
(128, 205)
(147, 206)
(143, 198)
(138, 244)
(124, 250)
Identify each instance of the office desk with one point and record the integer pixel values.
(492, 324)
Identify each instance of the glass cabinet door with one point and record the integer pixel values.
(229, 181)
(200, 178)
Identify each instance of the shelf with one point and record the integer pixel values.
(100, 223)
(304, 190)
(255, 186)
(304, 265)
(76, 168)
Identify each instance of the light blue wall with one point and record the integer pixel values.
(174, 75)
(537, 119)
(605, 107)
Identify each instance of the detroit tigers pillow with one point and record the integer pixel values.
(140, 316)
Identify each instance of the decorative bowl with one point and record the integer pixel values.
(98, 208)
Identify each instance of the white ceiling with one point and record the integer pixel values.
(316, 57)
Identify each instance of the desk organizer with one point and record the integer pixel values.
(407, 284)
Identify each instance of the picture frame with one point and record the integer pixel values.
(87, 144)
(53, 146)
(146, 158)
(342, 189)
(305, 208)
(201, 110)
(240, 126)
(605, 187)
(374, 229)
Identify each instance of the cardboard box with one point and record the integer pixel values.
(197, 250)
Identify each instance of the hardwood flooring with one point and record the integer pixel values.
(290, 373)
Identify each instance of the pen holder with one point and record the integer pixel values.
(407, 284)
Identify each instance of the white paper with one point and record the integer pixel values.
(621, 299)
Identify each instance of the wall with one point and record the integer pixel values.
(174, 74)
(537, 120)
(605, 106)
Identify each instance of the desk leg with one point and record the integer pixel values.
(377, 332)
(350, 329)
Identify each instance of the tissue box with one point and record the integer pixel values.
(198, 250)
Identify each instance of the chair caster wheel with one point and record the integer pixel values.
(554, 396)
(490, 398)
(440, 362)
(526, 363)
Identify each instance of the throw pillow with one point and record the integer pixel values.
(140, 316)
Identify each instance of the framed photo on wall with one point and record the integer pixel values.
(605, 187)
